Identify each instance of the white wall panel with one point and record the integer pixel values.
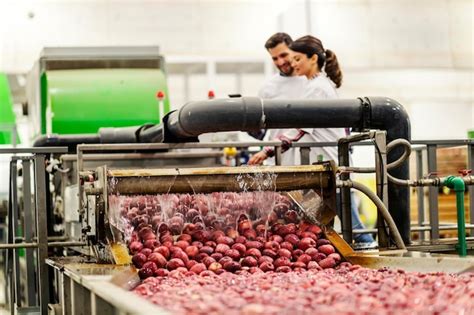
(440, 120)
(409, 33)
(179, 27)
(346, 28)
(380, 33)
(419, 52)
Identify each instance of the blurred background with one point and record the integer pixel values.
(418, 52)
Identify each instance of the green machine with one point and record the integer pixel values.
(8, 134)
(78, 90)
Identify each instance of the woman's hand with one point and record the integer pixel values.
(258, 158)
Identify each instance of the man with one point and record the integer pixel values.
(282, 85)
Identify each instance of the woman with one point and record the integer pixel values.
(321, 67)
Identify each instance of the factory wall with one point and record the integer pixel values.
(418, 52)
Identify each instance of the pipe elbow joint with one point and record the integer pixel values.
(388, 114)
(456, 183)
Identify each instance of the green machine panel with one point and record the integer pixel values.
(84, 100)
(7, 117)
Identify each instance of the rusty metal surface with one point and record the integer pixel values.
(220, 170)
(207, 180)
(338, 242)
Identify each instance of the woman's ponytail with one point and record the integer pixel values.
(332, 68)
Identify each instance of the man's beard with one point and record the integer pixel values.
(288, 72)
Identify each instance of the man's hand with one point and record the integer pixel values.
(258, 158)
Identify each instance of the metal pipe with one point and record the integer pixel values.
(35, 245)
(380, 205)
(18, 245)
(69, 141)
(366, 231)
(390, 166)
(433, 182)
(66, 244)
(50, 238)
(252, 113)
(415, 228)
(141, 156)
(454, 227)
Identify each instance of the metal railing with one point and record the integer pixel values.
(430, 147)
(419, 146)
(32, 224)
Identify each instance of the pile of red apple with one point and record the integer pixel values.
(347, 289)
(252, 253)
(222, 232)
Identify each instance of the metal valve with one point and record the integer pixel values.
(465, 172)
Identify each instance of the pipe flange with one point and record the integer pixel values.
(366, 109)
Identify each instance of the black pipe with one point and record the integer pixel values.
(70, 141)
(389, 115)
(252, 114)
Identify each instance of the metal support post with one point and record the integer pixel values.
(420, 192)
(9, 279)
(42, 232)
(13, 228)
(345, 195)
(28, 231)
(470, 165)
(304, 155)
(381, 181)
(433, 193)
(277, 155)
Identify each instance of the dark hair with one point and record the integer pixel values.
(277, 39)
(310, 46)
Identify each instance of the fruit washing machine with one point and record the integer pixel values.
(120, 206)
(104, 193)
(89, 277)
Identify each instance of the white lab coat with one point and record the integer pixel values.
(320, 87)
(281, 87)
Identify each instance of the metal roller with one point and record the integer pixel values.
(207, 180)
